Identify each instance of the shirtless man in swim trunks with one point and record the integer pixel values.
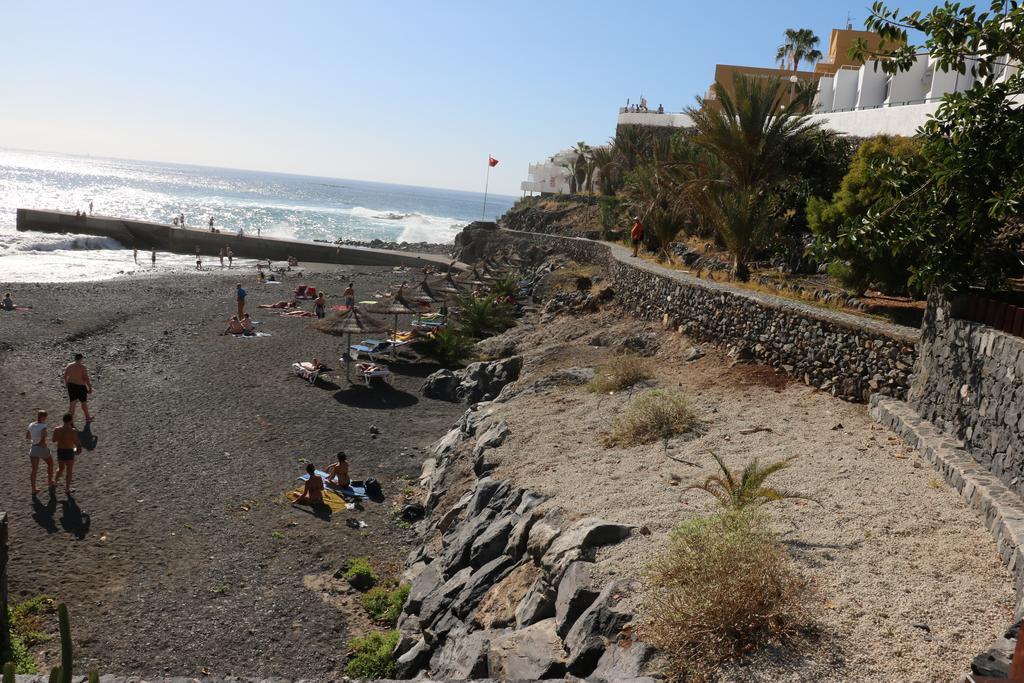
(313, 493)
(68, 445)
(76, 379)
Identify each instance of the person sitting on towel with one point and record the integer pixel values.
(313, 492)
(234, 326)
(337, 474)
(247, 328)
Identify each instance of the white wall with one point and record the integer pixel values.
(823, 98)
(870, 86)
(881, 121)
(844, 89)
(653, 119)
(947, 81)
(911, 85)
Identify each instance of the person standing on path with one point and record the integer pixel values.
(231, 256)
(135, 254)
(221, 255)
(636, 234)
(154, 256)
(68, 444)
(90, 207)
(240, 297)
(320, 306)
(36, 434)
(76, 379)
(350, 296)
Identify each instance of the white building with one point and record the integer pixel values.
(650, 118)
(551, 176)
(865, 101)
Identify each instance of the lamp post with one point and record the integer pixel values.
(792, 87)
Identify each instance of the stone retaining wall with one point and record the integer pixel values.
(969, 382)
(3, 580)
(850, 356)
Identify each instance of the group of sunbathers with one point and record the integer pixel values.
(243, 326)
(337, 478)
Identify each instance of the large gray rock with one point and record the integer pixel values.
(520, 533)
(463, 655)
(479, 583)
(575, 594)
(493, 437)
(442, 596)
(598, 626)
(537, 605)
(475, 383)
(492, 542)
(441, 385)
(579, 541)
(412, 660)
(426, 582)
(625, 660)
(460, 539)
(544, 532)
(528, 654)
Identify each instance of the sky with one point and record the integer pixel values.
(417, 93)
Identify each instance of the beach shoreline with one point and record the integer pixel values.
(179, 553)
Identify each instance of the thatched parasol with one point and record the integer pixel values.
(396, 308)
(426, 291)
(346, 324)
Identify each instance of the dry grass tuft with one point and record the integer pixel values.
(621, 373)
(652, 416)
(724, 588)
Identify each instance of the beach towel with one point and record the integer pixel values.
(341, 308)
(331, 499)
(297, 314)
(252, 336)
(350, 491)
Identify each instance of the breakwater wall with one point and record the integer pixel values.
(848, 355)
(145, 236)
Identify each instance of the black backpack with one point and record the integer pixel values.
(373, 489)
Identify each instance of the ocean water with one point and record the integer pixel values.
(301, 207)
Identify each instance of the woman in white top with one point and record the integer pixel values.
(36, 434)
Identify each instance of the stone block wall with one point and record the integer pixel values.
(3, 580)
(969, 381)
(850, 356)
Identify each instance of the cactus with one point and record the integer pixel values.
(56, 675)
(9, 672)
(65, 644)
(94, 676)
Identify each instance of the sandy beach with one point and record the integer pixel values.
(179, 553)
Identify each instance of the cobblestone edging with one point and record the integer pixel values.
(850, 356)
(1001, 509)
(969, 382)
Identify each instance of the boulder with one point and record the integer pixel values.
(460, 540)
(575, 594)
(544, 531)
(484, 381)
(578, 542)
(498, 606)
(492, 542)
(566, 377)
(479, 583)
(599, 624)
(452, 513)
(439, 599)
(623, 660)
(528, 654)
(493, 437)
(441, 385)
(520, 533)
(500, 346)
(413, 660)
(463, 655)
(426, 582)
(484, 490)
(538, 603)
(529, 500)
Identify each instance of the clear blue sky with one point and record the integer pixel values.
(407, 92)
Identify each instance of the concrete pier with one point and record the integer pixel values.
(145, 236)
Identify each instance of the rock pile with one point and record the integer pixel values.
(505, 587)
(477, 382)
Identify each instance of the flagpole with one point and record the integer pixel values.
(483, 214)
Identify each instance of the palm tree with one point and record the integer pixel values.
(742, 143)
(737, 493)
(801, 45)
(658, 193)
(603, 161)
(582, 167)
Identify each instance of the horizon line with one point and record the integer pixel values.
(251, 170)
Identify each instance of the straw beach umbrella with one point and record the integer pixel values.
(396, 308)
(349, 323)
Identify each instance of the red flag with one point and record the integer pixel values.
(491, 161)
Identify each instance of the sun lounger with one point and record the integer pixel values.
(309, 372)
(371, 348)
(369, 371)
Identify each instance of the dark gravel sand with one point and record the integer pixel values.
(179, 554)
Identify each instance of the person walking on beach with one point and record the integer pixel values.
(181, 219)
(320, 306)
(69, 445)
(154, 256)
(90, 207)
(231, 256)
(211, 223)
(135, 254)
(199, 260)
(636, 234)
(36, 434)
(76, 379)
(350, 296)
(240, 298)
(221, 255)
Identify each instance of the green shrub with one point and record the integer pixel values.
(748, 489)
(864, 251)
(652, 416)
(384, 604)
(483, 316)
(505, 286)
(26, 630)
(620, 373)
(360, 574)
(371, 656)
(448, 347)
(724, 587)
